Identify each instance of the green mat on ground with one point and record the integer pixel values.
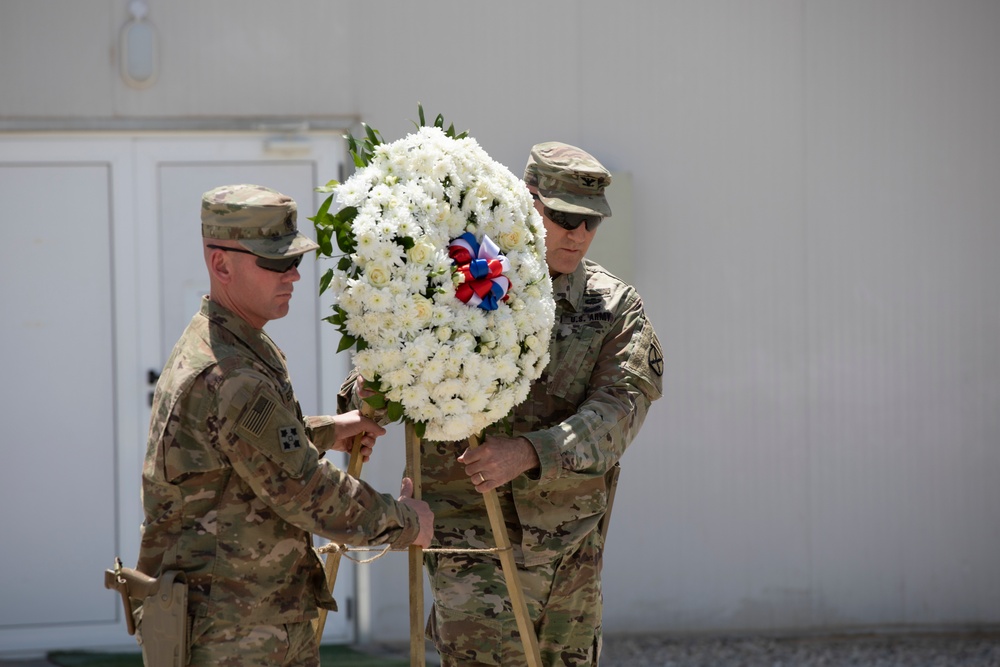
(330, 656)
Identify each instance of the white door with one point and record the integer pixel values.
(173, 173)
(65, 380)
(177, 173)
(101, 270)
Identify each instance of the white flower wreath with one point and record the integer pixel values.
(452, 341)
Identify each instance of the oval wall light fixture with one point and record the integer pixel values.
(138, 49)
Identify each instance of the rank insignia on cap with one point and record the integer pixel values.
(289, 438)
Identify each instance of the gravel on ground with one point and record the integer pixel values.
(881, 650)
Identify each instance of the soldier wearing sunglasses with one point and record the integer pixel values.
(234, 482)
(556, 477)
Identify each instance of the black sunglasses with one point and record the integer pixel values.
(570, 221)
(280, 265)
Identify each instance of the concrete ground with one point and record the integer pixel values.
(967, 649)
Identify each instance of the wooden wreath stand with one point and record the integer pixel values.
(416, 562)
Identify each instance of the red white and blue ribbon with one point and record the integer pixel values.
(483, 267)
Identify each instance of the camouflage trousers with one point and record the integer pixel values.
(472, 622)
(227, 645)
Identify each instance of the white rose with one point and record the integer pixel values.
(421, 253)
(378, 274)
(511, 239)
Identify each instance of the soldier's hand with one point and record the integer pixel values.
(497, 461)
(424, 513)
(350, 424)
(360, 388)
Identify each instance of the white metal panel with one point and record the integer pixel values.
(710, 526)
(84, 471)
(58, 405)
(249, 57)
(612, 248)
(54, 58)
(904, 317)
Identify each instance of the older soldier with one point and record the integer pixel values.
(233, 482)
(556, 476)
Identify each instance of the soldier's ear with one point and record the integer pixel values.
(220, 268)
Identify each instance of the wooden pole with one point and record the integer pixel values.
(332, 565)
(529, 640)
(418, 650)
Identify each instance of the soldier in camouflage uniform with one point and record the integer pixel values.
(233, 480)
(555, 477)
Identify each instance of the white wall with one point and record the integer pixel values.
(816, 226)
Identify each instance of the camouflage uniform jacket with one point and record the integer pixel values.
(581, 414)
(232, 483)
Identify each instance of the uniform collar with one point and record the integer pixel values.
(569, 287)
(256, 339)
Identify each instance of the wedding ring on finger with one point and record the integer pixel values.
(482, 479)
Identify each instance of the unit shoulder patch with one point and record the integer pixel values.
(288, 436)
(655, 357)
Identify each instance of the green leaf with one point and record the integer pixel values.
(342, 224)
(324, 281)
(346, 342)
(439, 121)
(344, 264)
(324, 221)
(323, 235)
(345, 241)
(338, 318)
(346, 215)
(324, 207)
(419, 428)
(420, 113)
(395, 411)
(377, 401)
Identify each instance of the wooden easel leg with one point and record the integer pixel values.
(418, 657)
(513, 581)
(332, 565)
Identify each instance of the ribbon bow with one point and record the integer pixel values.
(483, 267)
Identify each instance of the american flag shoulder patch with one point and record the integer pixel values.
(256, 416)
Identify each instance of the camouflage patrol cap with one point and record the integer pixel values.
(568, 179)
(260, 219)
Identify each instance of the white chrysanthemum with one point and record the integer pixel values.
(454, 367)
(379, 300)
